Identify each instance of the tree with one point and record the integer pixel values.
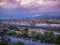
(46, 37)
(4, 42)
(12, 27)
(18, 35)
(32, 35)
(18, 43)
(49, 37)
(57, 44)
(11, 33)
(52, 37)
(37, 35)
(58, 39)
(26, 30)
(24, 34)
(3, 32)
(40, 37)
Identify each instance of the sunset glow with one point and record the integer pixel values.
(31, 6)
(25, 2)
(29, 3)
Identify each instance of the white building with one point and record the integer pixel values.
(42, 24)
(55, 25)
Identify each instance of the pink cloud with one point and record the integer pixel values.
(34, 6)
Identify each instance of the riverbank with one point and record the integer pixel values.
(26, 41)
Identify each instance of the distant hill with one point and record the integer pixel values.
(45, 16)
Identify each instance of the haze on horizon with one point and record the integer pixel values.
(28, 8)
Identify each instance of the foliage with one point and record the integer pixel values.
(26, 30)
(11, 33)
(18, 43)
(12, 27)
(3, 32)
(24, 34)
(32, 35)
(57, 44)
(49, 37)
(58, 39)
(37, 35)
(18, 35)
(4, 42)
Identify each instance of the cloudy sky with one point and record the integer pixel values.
(28, 8)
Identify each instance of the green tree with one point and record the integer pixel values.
(40, 37)
(11, 33)
(26, 30)
(24, 34)
(46, 36)
(32, 35)
(58, 39)
(18, 35)
(18, 43)
(49, 37)
(3, 32)
(57, 44)
(37, 35)
(52, 37)
(12, 27)
(4, 42)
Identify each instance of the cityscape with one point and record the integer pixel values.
(29, 22)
